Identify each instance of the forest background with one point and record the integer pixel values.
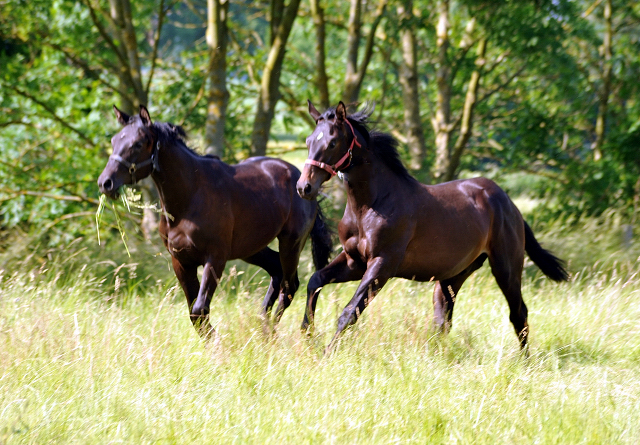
(546, 90)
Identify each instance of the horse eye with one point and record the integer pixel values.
(332, 143)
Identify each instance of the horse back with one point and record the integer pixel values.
(455, 222)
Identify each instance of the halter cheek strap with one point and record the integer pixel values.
(333, 169)
(133, 167)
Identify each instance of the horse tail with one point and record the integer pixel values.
(549, 264)
(321, 244)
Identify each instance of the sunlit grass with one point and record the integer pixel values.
(85, 362)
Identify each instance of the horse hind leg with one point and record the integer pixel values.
(507, 270)
(290, 248)
(269, 260)
(445, 293)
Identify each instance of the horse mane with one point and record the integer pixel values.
(383, 145)
(170, 134)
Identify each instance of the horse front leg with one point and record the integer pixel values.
(187, 276)
(340, 270)
(200, 309)
(379, 271)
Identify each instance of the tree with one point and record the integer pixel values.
(282, 19)
(355, 73)
(322, 80)
(218, 99)
(410, 87)
(605, 89)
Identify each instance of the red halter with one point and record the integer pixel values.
(333, 169)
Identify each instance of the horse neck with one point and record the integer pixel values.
(174, 178)
(367, 180)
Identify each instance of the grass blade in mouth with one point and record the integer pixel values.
(129, 199)
(99, 212)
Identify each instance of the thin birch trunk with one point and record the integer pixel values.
(218, 97)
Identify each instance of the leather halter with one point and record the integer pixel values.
(333, 169)
(133, 167)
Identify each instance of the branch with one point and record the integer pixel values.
(382, 6)
(73, 198)
(502, 85)
(195, 103)
(156, 41)
(68, 216)
(16, 122)
(104, 33)
(52, 113)
(590, 9)
(196, 11)
(497, 61)
(92, 72)
(289, 98)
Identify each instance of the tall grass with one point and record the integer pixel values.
(87, 358)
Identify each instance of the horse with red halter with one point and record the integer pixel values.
(214, 212)
(394, 226)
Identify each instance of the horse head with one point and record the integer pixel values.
(133, 153)
(330, 150)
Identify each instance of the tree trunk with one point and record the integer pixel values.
(466, 123)
(355, 74)
(441, 123)
(218, 94)
(603, 96)
(269, 87)
(410, 92)
(277, 9)
(353, 45)
(322, 81)
(130, 72)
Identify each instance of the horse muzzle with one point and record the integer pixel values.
(310, 181)
(109, 186)
(306, 190)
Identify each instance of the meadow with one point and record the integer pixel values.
(92, 357)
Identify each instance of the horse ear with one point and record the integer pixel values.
(312, 111)
(341, 111)
(144, 115)
(123, 118)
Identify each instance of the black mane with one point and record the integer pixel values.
(383, 145)
(170, 134)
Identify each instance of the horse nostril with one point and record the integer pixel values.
(107, 185)
(307, 189)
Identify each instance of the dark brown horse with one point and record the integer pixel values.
(215, 212)
(393, 226)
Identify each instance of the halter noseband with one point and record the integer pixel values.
(133, 167)
(333, 169)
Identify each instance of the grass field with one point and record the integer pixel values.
(93, 360)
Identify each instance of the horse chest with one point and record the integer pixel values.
(180, 244)
(357, 246)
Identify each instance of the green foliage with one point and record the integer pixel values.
(536, 111)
